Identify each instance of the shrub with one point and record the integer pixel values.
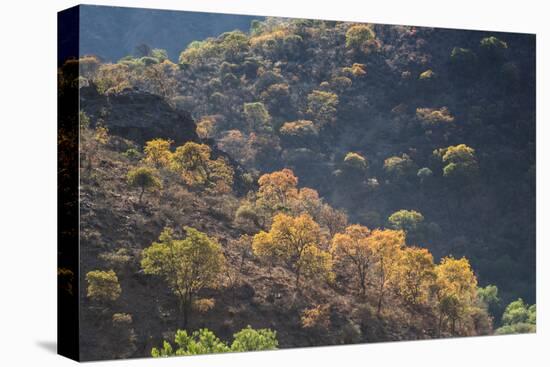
(316, 317)
(103, 285)
(204, 305)
(121, 319)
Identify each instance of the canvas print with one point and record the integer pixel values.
(235, 183)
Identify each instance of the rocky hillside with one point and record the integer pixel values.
(357, 183)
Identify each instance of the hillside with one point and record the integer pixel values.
(361, 183)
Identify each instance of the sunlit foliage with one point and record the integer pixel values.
(205, 341)
(103, 285)
(145, 179)
(295, 241)
(434, 116)
(460, 161)
(361, 37)
(157, 152)
(518, 318)
(277, 189)
(187, 265)
(415, 275)
(193, 161)
(352, 250)
(455, 291)
(406, 220)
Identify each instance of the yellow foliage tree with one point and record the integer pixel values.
(415, 275)
(192, 160)
(277, 189)
(297, 242)
(157, 152)
(351, 249)
(455, 291)
(187, 265)
(386, 246)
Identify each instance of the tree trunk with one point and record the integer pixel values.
(141, 194)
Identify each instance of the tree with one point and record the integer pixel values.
(187, 265)
(192, 160)
(459, 160)
(488, 295)
(361, 37)
(415, 275)
(399, 168)
(386, 246)
(308, 202)
(257, 116)
(406, 220)
(518, 317)
(277, 189)
(103, 285)
(299, 133)
(355, 162)
(297, 242)
(157, 152)
(493, 48)
(352, 250)
(249, 339)
(144, 178)
(205, 341)
(335, 220)
(433, 117)
(455, 290)
(322, 107)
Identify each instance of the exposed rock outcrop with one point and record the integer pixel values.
(137, 115)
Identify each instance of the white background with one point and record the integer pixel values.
(28, 182)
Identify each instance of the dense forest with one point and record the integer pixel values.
(306, 183)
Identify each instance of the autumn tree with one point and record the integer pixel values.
(322, 107)
(144, 178)
(415, 275)
(157, 153)
(352, 250)
(455, 291)
(277, 189)
(193, 161)
(187, 265)
(386, 246)
(297, 242)
(103, 285)
(333, 219)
